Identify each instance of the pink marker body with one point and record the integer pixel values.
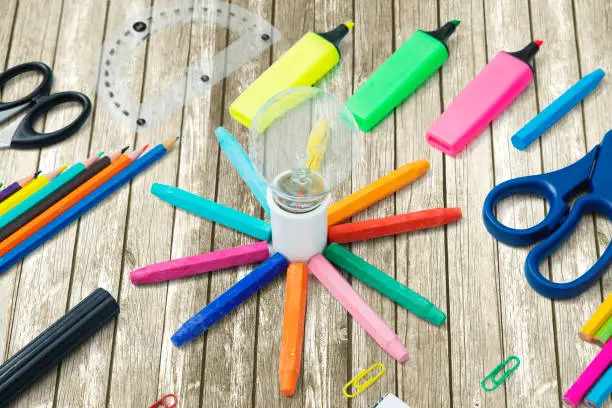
(195, 265)
(574, 396)
(357, 307)
(499, 83)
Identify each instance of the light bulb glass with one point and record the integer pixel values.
(303, 142)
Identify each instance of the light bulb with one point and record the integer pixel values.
(303, 141)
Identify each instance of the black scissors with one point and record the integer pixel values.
(40, 101)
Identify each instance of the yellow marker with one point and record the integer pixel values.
(601, 316)
(302, 65)
(317, 144)
(361, 387)
(29, 189)
(372, 193)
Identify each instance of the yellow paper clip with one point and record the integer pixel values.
(317, 144)
(361, 387)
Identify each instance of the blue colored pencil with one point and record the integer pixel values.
(601, 391)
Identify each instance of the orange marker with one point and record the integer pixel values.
(396, 224)
(372, 193)
(292, 341)
(119, 162)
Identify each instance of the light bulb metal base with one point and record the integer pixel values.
(298, 236)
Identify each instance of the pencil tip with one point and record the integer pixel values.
(124, 149)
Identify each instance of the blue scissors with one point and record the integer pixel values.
(22, 134)
(591, 174)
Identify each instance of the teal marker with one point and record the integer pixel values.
(383, 283)
(213, 211)
(400, 75)
(41, 194)
(243, 164)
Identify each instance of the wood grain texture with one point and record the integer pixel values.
(422, 270)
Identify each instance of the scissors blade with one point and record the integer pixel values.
(9, 113)
(6, 135)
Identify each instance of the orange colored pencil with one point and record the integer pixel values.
(119, 162)
(292, 341)
(373, 193)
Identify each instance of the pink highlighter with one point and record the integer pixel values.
(499, 83)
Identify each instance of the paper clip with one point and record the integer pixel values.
(499, 374)
(165, 400)
(360, 387)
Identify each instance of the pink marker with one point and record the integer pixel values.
(589, 377)
(499, 83)
(195, 265)
(357, 307)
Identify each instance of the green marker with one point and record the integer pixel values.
(385, 284)
(400, 75)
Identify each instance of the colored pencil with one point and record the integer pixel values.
(44, 192)
(56, 196)
(357, 307)
(29, 189)
(601, 391)
(601, 315)
(87, 203)
(294, 317)
(604, 333)
(67, 202)
(15, 186)
(576, 393)
(372, 193)
(198, 264)
(396, 224)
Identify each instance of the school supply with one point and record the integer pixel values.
(67, 202)
(601, 391)
(242, 163)
(358, 385)
(302, 65)
(376, 191)
(57, 195)
(88, 202)
(317, 144)
(604, 333)
(499, 83)
(363, 314)
(393, 225)
(294, 317)
(592, 172)
(251, 34)
(383, 283)
(29, 189)
(167, 401)
(15, 186)
(53, 185)
(390, 401)
(21, 135)
(400, 75)
(499, 374)
(556, 110)
(54, 344)
(602, 314)
(229, 300)
(198, 264)
(595, 370)
(215, 212)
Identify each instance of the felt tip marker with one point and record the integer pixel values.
(400, 75)
(499, 83)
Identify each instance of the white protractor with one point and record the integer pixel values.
(255, 35)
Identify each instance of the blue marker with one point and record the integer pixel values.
(243, 164)
(213, 211)
(230, 299)
(601, 391)
(556, 110)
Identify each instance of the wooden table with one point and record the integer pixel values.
(492, 311)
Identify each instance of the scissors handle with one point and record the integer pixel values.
(584, 205)
(43, 89)
(28, 138)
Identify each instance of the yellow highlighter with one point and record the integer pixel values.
(302, 65)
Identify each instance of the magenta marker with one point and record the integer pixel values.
(483, 99)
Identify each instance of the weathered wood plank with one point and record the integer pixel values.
(474, 314)
(421, 257)
(135, 369)
(527, 319)
(373, 45)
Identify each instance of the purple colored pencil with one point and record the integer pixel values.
(15, 187)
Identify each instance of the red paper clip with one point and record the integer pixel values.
(165, 400)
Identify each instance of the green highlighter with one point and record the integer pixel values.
(383, 283)
(400, 75)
